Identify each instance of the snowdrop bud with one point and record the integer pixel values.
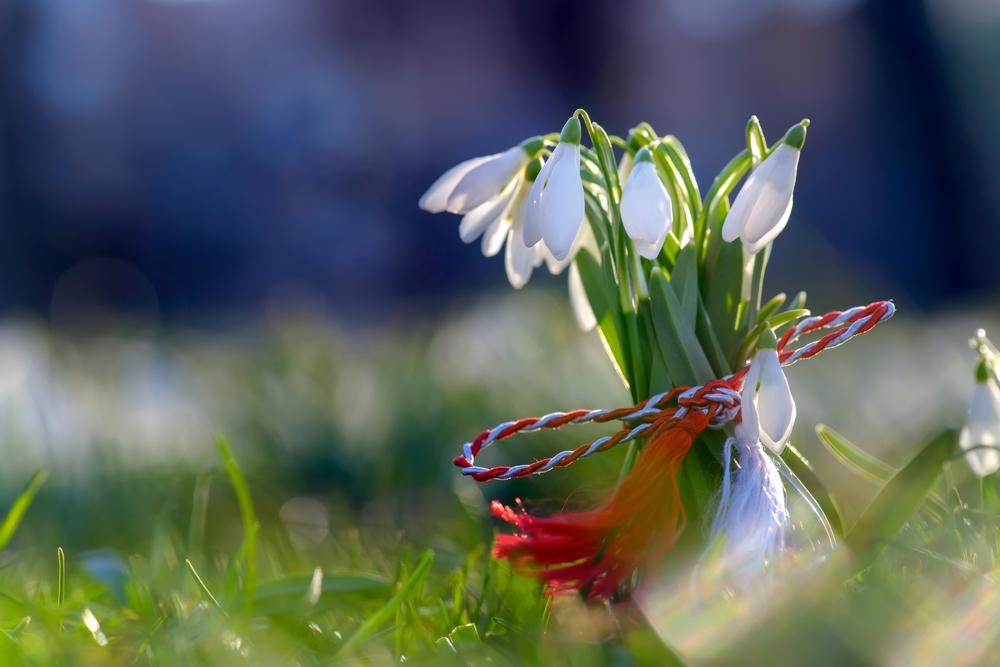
(647, 213)
(764, 203)
(755, 139)
(555, 204)
(766, 401)
(982, 426)
(571, 132)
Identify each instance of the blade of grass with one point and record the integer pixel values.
(857, 459)
(248, 516)
(201, 583)
(803, 470)
(20, 506)
(199, 512)
(61, 580)
(853, 456)
(388, 611)
(899, 498)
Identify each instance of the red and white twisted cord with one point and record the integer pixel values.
(719, 398)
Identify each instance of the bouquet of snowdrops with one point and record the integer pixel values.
(673, 281)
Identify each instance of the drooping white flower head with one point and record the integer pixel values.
(980, 436)
(766, 403)
(647, 213)
(764, 203)
(473, 182)
(520, 259)
(555, 205)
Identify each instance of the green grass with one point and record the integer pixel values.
(306, 539)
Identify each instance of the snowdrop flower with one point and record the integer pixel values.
(473, 182)
(555, 205)
(764, 202)
(520, 259)
(647, 213)
(982, 426)
(766, 403)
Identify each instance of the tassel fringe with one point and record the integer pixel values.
(592, 552)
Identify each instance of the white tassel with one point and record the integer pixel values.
(748, 530)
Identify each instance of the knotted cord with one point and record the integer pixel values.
(719, 399)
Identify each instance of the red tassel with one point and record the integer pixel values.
(592, 552)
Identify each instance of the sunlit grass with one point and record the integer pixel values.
(330, 527)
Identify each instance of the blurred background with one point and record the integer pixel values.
(209, 223)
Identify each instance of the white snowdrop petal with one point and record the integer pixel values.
(775, 404)
(582, 312)
(475, 222)
(646, 211)
(651, 250)
(495, 235)
(736, 219)
(519, 260)
(771, 205)
(486, 179)
(749, 426)
(561, 207)
(557, 266)
(982, 430)
(532, 221)
(435, 199)
(752, 248)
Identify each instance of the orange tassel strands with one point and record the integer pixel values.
(594, 551)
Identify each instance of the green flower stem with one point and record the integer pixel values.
(636, 366)
(757, 283)
(721, 187)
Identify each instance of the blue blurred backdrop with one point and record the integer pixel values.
(203, 160)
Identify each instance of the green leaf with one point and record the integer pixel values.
(900, 498)
(770, 307)
(61, 577)
(710, 222)
(606, 312)
(786, 316)
(686, 361)
(750, 341)
(867, 465)
(374, 622)
(659, 376)
(247, 515)
(605, 156)
(797, 304)
(710, 342)
(674, 150)
(684, 280)
(853, 456)
(670, 179)
(721, 286)
(668, 255)
(20, 506)
(799, 465)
